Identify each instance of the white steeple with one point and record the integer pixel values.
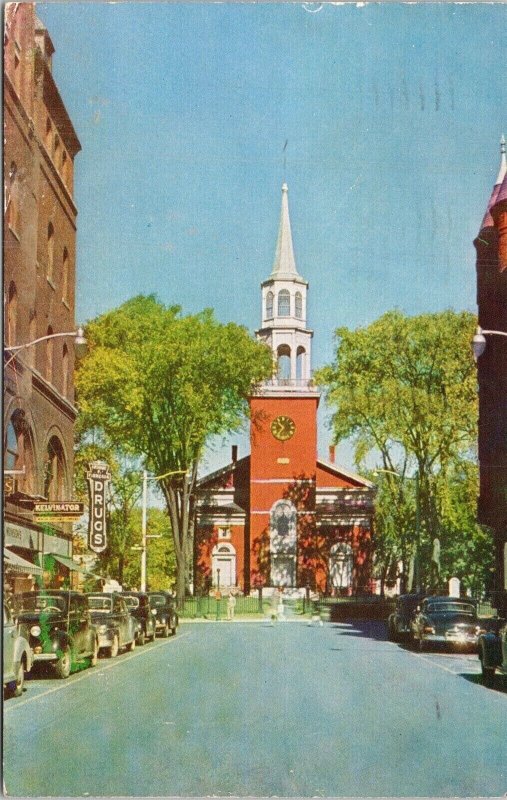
(284, 265)
(503, 162)
(284, 327)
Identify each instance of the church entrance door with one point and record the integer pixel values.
(223, 560)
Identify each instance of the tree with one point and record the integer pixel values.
(404, 389)
(160, 384)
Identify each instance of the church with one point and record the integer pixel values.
(282, 517)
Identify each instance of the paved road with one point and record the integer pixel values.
(249, 709)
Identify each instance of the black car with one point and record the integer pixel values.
(398, 624)
(164, 612)
(58, 627)
(450, 621)
(138, 603)
(116, 628)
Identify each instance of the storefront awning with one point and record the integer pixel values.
(73, 565)
(17, 564)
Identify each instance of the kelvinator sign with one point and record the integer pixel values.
(98, 478)
(68, 511)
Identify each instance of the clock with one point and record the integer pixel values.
(283, 428)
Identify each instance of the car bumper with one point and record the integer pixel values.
(456, 639)
(44, 657)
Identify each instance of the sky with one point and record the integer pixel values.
(392, 113)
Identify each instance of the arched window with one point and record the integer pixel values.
(56, 152)
(283, 303)
(50, 251)
(11, 447)
(269, 305)
(283, 543)
(65, 275)
(19, 451)
(283, 362)
(65, 370)
(54, 471)
(12, 315)
(299, 305)
(340, 566)
(12, 199)
(300, 363)
(49, 356)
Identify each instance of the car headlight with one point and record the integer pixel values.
(428, 629)
(102, 628)
(35, 630)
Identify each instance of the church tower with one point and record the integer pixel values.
(283, 433)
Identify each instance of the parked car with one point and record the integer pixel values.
(447, 620)
(58, 627)
(493, 652)
(138, 604)
(164, 612)
(17, 655)
(116, 628)
(398, 623)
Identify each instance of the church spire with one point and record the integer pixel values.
(503, 161)
(284, 265)
(487, 222)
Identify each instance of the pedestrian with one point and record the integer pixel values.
(231, 606)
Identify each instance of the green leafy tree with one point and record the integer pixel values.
(160, 560)
(159, 385)
(404, 390)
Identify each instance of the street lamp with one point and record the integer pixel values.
(144, 539)
(415, 478)
(479, 340)
(80, 344)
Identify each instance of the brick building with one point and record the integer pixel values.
(39, 283)
(281, 516)
(491, 246)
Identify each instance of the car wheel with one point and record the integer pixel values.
(141, 638)
(488, 673)
(112, 651)
(20, 680)
(95, 655)
(63, 664)
(173, 629)
(154, 635)
(131, 645)
(421, 645)
(165, 631)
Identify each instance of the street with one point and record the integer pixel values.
(249, 709)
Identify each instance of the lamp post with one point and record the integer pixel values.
(218, 592)
(144, 536)
(80, 344)
(415, 478)
(479, 340)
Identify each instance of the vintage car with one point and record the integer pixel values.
(164, 611)
(493, 652)
(58, 627)
(138, 603)
(446, 620)
(17, 655)
(116, 628)
(398, 623)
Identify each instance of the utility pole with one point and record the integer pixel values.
(143, 531)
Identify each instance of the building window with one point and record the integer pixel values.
(269, 305)
(283, 363)
(224, 533)
(11, 447)
(283, 543)
(65, 275)
(54, 471)
(50, 251)
(64, 166)
(340, 566)
(283, 303)
(19, 451)
(299, 305)
(49, 134)
(300, 363)
(12, 199)
(12, 315)
(49, 356)
(56, 151)
(65, 370)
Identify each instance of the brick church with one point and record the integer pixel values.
(282, 516)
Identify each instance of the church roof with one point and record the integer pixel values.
(502, 192)
(500, 184)
(284, 265)
(344, 473)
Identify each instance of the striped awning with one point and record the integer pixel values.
(73, 565)
(15, 563)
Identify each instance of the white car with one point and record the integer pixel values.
(17, 655)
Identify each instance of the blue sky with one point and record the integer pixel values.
(392, 113)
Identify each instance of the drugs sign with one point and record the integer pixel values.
(98, 478)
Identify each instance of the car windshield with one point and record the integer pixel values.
(446, 608)
(132, 602)
(100, 603)
(158, 600)
(42, 602)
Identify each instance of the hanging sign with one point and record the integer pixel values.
(58, 512)
(98, 478)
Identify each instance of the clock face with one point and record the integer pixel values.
(283, 428)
